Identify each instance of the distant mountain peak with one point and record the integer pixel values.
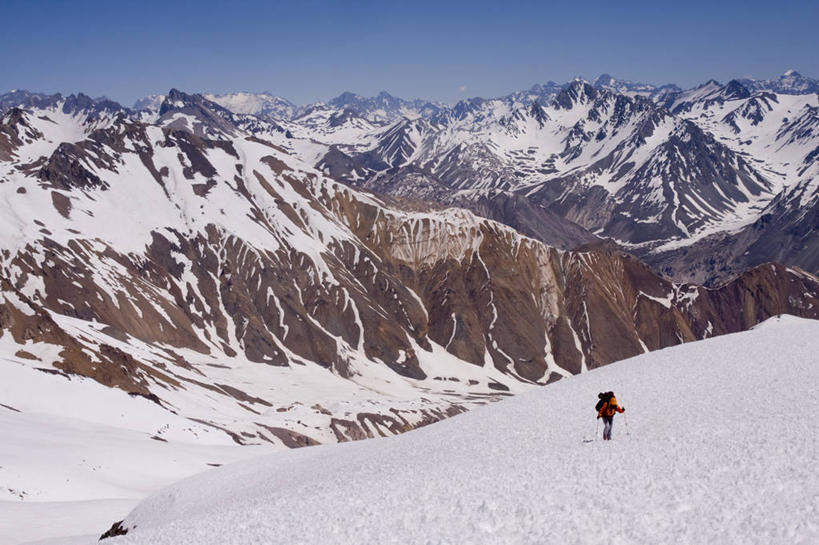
(736, 90)
(789, 83)
(604, 79)
(634, 89)
(347, 95)
(538, 87)
(264, 105)
(578, 91)
(150, 102)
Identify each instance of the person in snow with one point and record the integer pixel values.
(606, 408)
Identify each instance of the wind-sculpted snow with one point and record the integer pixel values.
(716, 448)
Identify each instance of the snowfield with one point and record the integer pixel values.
(75, 453)
(721, 448)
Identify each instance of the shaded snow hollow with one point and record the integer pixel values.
(722, 449)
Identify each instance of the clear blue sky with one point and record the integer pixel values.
(306, 51)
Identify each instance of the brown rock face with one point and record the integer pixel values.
(538, 312)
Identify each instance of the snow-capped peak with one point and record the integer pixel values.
(789, 83)
(150, 102)
(604, 79)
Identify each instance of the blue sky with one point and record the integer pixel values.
(306, 51)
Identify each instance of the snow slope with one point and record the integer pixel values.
(76, 453)
(722, 448)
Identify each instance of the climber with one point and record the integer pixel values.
(606, 408)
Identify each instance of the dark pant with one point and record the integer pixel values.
(608, 421)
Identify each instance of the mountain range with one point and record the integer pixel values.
(298, 275)
(544, 160)
(674, 176)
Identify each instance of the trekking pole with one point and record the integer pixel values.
(625, 418)
(596, 429)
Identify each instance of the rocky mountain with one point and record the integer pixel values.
(618, 166)
(706, 95)
(264, 105)
(21, 98)
(784, 232)
(378, 110)
(198, 261)
(779, 133)
(79, 104)
(385, 108)
(630, 88)
(789, 83)
(150, 102)
(654, 169)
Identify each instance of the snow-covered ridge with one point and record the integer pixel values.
(673, 472)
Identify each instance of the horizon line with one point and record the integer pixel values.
(787, 72)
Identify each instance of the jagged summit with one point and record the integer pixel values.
(578, 91)
(736, 90)
(195, 113)
(78, 103)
